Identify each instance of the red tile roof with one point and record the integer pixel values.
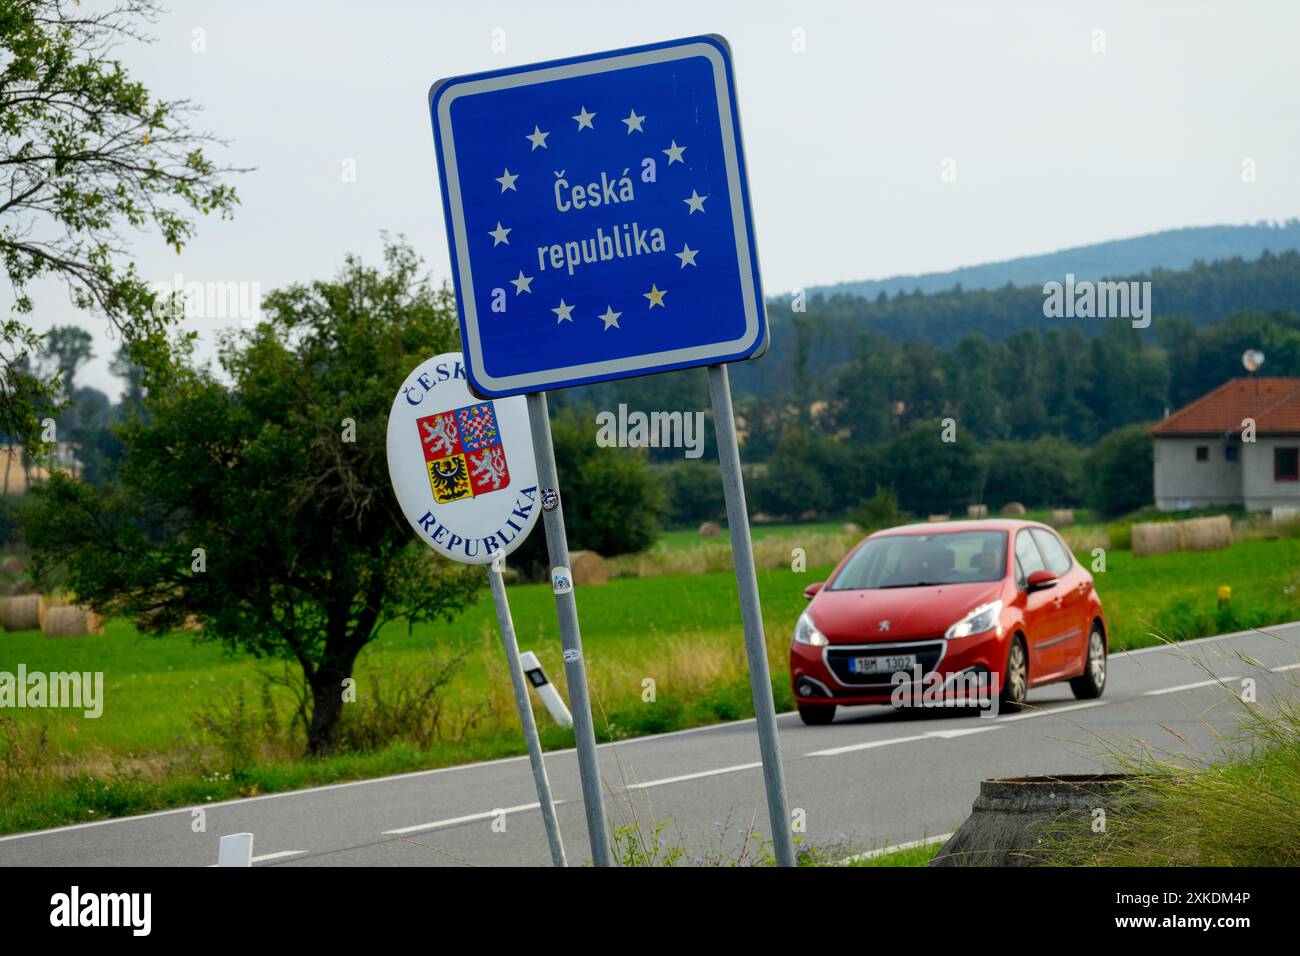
(1274, 404)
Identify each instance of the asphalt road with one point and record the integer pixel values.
(873, 779)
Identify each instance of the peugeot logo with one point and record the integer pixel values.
(883, 625)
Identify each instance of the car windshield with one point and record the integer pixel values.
(916, 560)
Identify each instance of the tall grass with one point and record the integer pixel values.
(1238, 805)
(712, 557)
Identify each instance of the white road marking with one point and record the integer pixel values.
(871, 744)
(691, 776)
(836, 751)
(896, 848)
(962, 732)
(467, 818)
(959, 732)
(1026, 715)
(1218, 681)
(272, 856)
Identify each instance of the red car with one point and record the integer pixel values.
(942, 606)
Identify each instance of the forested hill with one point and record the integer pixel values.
(1170, 249)
(817, 341)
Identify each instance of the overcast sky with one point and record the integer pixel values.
(1055, 143)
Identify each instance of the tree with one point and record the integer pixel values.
(85, 153)
(242, 501)
(69, 347)
(1042, 472)
(929, 474)
(132, 373)
(1119, 473)
(65, 348)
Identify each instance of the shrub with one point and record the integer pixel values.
(1119, 472)
(878, 511)
(694, 490)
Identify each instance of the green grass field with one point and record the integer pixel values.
(184, 722)
(690, 537)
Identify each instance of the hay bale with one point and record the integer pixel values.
(12, 567)
(1156, 537)
(74, 620)
(852, 527)
(977, 511)
(937, 518)
(148, 621)
(1207, 534)
(710, 529)
(1013, 509)
(587, 568)
(1062, 517)
(25, 612)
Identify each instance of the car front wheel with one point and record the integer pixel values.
(1090, 684)
(816, 715)
(1015, 679)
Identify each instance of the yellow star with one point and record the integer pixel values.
(656, 296)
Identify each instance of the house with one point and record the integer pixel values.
(1206, 453)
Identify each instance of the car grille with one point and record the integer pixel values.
(927, 654)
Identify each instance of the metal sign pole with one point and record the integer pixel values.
(575, 669)
(751, 614)
(526, 714)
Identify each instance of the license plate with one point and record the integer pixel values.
(882, 665)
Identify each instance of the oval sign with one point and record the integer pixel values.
(462, 467)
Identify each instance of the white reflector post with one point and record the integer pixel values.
(545, 689)
(236, 850)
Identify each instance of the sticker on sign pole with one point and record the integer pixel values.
(599, 218)
(462, 468)
(561, 580)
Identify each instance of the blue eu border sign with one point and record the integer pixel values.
(598, 216)
(599, 224)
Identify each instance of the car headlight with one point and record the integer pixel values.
(983, 618)
(806, 633)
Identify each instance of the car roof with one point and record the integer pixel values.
(961, 524)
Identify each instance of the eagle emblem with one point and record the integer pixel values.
(463, 453)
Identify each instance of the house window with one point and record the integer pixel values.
(1286, 464)
(1232, 453)
(1202, 452)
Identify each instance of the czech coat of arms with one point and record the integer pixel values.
(463, 452)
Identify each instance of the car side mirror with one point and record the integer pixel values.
(811, 590)
(1040, 581)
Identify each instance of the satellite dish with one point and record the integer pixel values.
(1252, 359)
